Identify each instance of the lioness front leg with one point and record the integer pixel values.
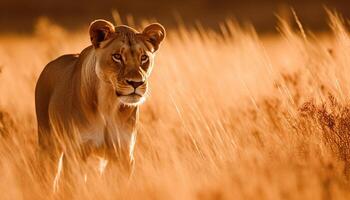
(120, 150)
(120, 137)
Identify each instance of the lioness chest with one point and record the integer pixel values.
(105, 131)
(94, 134)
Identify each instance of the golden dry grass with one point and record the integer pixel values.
(230, 116)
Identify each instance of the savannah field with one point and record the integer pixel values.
(231, 115)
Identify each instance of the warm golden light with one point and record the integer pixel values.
(231, 114)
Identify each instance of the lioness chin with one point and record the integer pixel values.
(90, 101)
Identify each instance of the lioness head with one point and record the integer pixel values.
(125, 57)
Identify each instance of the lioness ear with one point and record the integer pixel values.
(100, 30)
(154, 34)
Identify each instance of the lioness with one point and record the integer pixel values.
(91, 100)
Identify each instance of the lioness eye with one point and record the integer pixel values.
(144, 59)
(117, 58)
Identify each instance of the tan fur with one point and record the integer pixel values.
(84, 100)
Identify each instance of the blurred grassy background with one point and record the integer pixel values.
(236, 115)
(21, 15)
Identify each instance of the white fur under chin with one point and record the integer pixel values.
(133, 104)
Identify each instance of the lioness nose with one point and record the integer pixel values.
(134, 84)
